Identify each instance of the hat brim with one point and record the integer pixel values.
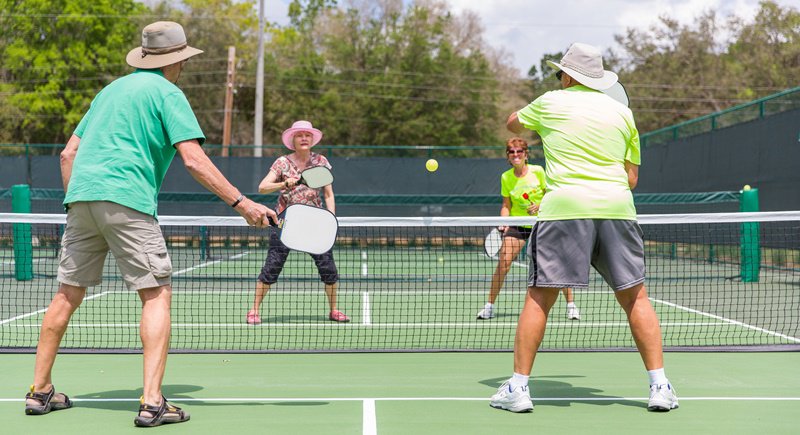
(288, 136)
(599, 84)
(151, 61)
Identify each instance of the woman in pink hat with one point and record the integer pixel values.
(284, 175)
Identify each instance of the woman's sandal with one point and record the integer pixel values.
(46, 402)
(162, 414)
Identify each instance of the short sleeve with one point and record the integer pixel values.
(633, 148)
(81, 128)
(530, 116)
(505, 189)
(180, 123)
(279, 166)
(539, 171)
(323, 161)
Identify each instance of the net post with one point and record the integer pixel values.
(23, 238)
(204, 254)
(750, 247)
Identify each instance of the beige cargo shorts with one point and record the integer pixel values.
(134, 238)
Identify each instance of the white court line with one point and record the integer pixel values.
(35, 260)
(366, 313)
(180, 272)
(210, 263)
(364, 269)
(423, 399)
(729, 321)
(370, 422)
(380, 325)
(34, 313)
(713, 316)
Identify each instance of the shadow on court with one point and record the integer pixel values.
(174, 393)
(543, 386)
(322, 317)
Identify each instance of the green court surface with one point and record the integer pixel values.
(422, 299)
(428, 393)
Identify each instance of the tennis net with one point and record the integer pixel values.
(717, 281)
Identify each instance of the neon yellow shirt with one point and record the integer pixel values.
(515, 189)
(587, 138)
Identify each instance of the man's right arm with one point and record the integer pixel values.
(633, 174)
(203, 170)
(513, 125)
(68, 158)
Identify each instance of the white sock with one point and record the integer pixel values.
(571, 305)
(518, 380)
(657, 377)
(489, 305)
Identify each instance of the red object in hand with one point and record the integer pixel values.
(525, 195)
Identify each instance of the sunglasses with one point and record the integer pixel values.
(513, 152)
(559, 73)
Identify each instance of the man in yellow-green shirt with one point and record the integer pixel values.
(587, 217)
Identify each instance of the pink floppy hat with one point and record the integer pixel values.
(288, 135)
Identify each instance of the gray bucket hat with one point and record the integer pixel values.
(584, 63)
(163, 43)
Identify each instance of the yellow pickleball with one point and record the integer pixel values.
(431, 165)
(746, 187)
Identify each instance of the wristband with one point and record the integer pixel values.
(238, 200)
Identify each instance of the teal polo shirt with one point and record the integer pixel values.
(127, 139)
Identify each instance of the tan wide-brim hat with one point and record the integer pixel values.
(163, 43)
(288, 135)
(584, 63)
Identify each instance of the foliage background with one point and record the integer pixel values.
(369, 72)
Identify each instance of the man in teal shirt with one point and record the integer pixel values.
(587, 217)
(112, 169)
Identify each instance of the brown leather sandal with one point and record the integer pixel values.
(163, 414)
(46, 402)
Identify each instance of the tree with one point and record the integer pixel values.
(213, 26)
(381, 73)
(677, 72)
(54, 63)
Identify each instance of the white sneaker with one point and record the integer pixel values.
(662, 398)
(573, 313)
(486, 313)
(516, 400)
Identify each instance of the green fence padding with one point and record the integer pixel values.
(23, 239)
(750, 239)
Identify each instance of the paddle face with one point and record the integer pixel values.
(307, 229)
(492, 243)
(618, 93)
(316, 177)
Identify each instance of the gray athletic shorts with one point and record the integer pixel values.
(560, 253)
(135, 239)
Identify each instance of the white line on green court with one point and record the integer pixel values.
(35, 260)
(210, 263)
(33, 313)
(379, 325)
(727, 320)
(366, 309)
(370, 422)
(364, 270)
(180, 272)
(421, 399)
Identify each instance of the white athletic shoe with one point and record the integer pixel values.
(486, 313)
(662, 398)
(573, 313)
(516, 400)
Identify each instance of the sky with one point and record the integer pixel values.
(528, 29)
